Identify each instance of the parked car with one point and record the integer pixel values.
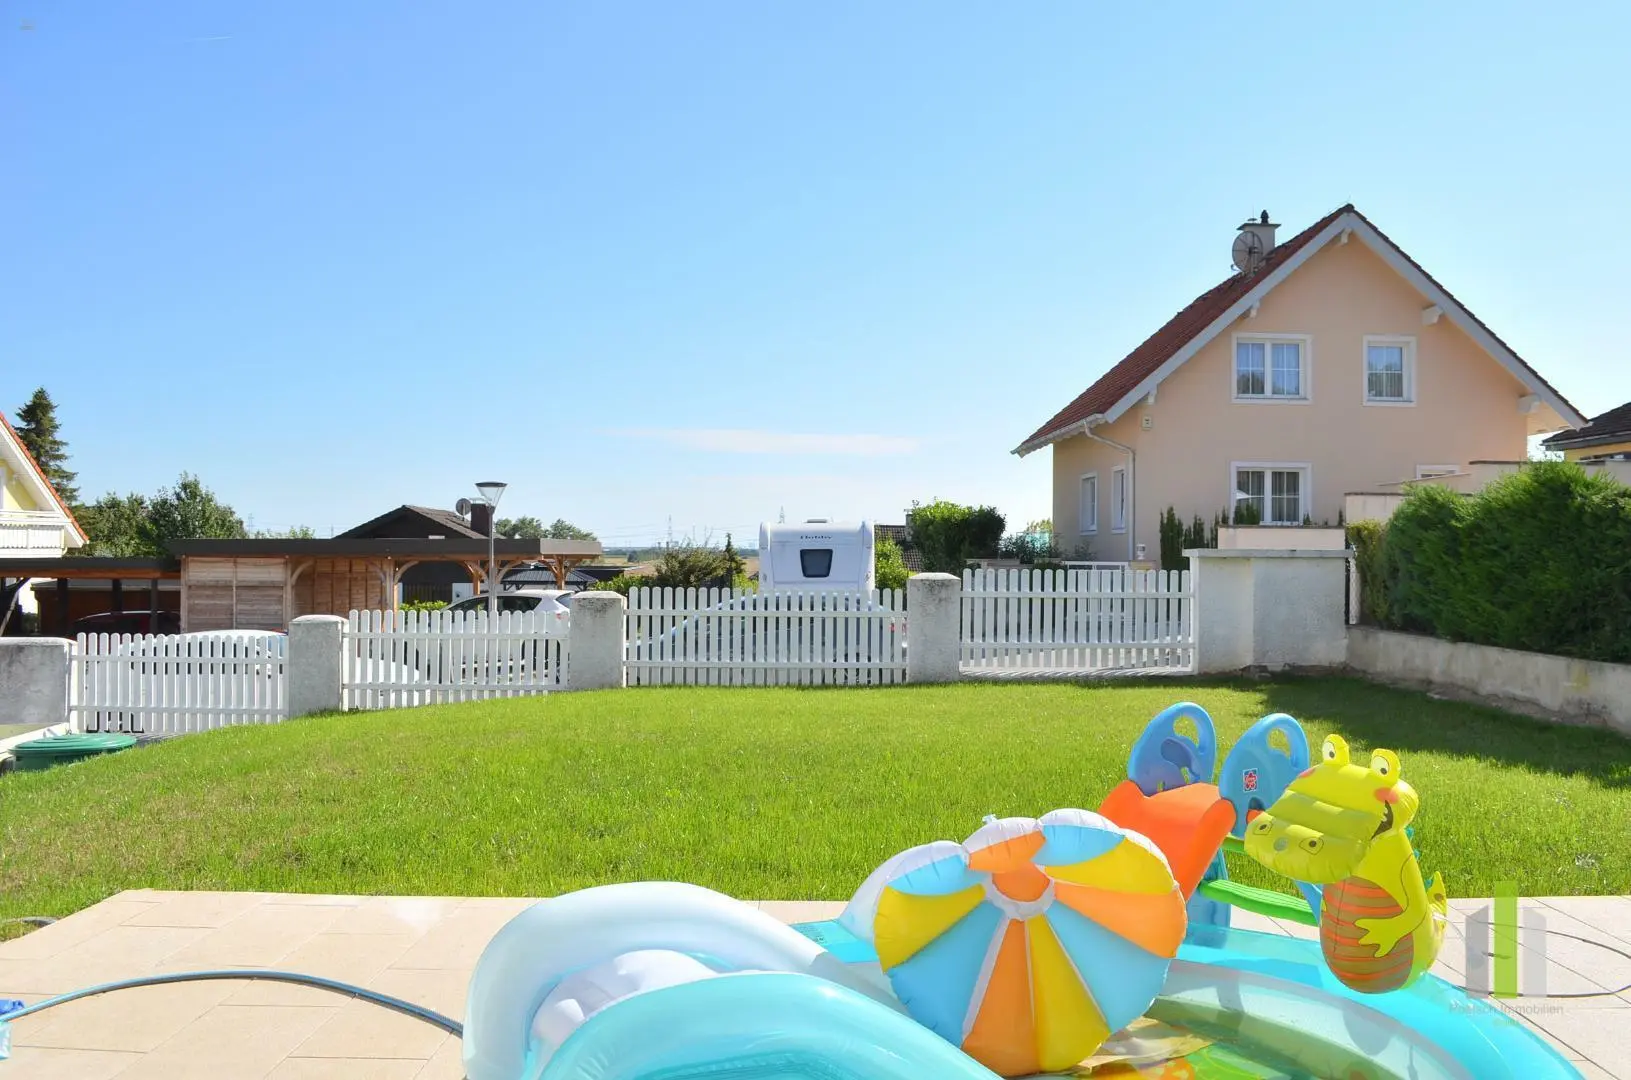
(128, 622)
(544, 601)
(756, 627)
(521, 666)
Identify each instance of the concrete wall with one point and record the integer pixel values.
(1553, 687)
(34, 681)
(1466, 407)
(1272, 538)
(1269, 608)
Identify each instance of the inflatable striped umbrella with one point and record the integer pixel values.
(1031, 942)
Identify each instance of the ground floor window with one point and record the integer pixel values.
(1271, 494)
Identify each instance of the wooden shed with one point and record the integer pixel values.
(266, 584)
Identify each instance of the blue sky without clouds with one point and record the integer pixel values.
(702, 261)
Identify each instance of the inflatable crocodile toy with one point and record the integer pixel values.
(1342, 826)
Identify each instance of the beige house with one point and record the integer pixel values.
(1329, 363)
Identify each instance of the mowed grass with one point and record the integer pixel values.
(774, 793)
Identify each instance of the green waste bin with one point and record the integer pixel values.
(63, 749)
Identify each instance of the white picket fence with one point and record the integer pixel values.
(394, 659)
(173, 684)
(1078, 621)
(726, 637)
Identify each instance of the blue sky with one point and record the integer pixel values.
(652, 261)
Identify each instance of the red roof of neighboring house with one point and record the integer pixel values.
(1204, 310)
(29, 457)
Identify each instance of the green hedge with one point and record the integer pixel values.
(1539, 560)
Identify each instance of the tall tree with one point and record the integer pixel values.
(37, 428)
(521, 528)
(118, 527)
(531, 528)
(191, 511)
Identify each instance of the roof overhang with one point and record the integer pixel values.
(1346, 225)
(90, 566)
(397, 548)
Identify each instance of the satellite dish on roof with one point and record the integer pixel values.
(462, 507)
(1248, 252)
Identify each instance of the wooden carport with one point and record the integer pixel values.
(68, 568)
(267, 583)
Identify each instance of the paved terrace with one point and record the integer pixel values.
(423, 949)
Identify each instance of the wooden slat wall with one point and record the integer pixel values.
(228, 593)
(338, 587)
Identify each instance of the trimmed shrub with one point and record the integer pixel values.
(889, 565)
(1539, 560)
(950, 535)
(1366, 537)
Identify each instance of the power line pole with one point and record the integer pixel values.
(781, 517)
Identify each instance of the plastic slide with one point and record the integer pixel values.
(666, 979)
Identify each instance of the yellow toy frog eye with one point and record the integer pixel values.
(1385, 763)
(1335, 750)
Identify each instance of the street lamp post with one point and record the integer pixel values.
(491, 491)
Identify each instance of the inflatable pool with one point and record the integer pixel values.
(1084, 943)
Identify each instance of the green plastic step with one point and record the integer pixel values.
(1267, 902)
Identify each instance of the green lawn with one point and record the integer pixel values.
(760, 793)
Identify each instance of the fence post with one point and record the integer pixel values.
(934, 617)
(315, 664)
(34, 680)
(594, 644)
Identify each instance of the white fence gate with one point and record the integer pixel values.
(1078, 621)
(171, 684)
(726, 637)
(400, 658)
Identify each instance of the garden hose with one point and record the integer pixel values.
(407, 1008)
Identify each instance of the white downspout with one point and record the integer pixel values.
(1132, 517)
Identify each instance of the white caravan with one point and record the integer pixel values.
(817, 554)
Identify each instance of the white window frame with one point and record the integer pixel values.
(1305, 488)
(1431, 472)
(1118, 499)
(1409, 345)
(1087, 513)
(1305, 353)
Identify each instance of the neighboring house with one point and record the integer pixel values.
(1605, 438)
(1328, 363)
(34, 521)
(902, 536)
(427, 580)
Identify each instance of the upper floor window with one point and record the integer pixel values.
(1271, 368)
(1390, 375)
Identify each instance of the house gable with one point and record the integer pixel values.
(413, 522)
(25, 481)
(1138, 375)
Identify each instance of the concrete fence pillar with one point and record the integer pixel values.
(316, 664)
(595, 643)
(934, 620)
(1269, 607)
(34, 680)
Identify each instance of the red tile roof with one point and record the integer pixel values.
(1201, 312)
(29, 457)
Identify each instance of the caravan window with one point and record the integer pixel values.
(815, 562)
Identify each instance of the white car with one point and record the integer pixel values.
(758, 627)
(557, 602)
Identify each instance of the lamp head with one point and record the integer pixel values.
(491, 491)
